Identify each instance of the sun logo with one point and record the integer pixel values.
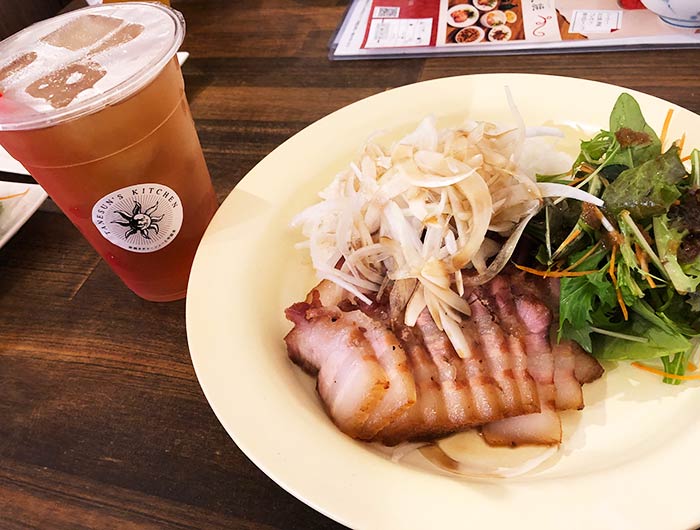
(139, 222)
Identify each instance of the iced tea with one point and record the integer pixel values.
(122, 160)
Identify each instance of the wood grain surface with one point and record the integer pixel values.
(102, 421)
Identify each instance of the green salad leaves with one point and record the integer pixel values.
(631, 269)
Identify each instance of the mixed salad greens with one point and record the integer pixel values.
(629, 270)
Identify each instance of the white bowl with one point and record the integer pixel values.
(485, 5)
(468, 35)
(462, 10)
(500, 33)
(681, 13)
(494, 18)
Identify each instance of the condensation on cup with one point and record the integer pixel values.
(93, 105)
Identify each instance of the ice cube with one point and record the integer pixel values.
(62, 86)
(83, 31)
(121, 36)
(17, 64)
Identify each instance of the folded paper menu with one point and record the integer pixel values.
(405, 28)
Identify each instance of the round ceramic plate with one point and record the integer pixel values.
(629, 460)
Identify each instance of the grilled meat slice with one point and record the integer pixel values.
(401, 393)
(453, 393)
(380, 380)
(363, 376)
(527, 322)
(351, 381)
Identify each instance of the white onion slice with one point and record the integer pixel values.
(502, 257)
(436, 456)
(554, 189)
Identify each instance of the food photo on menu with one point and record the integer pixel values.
(491, 20)
(375, 28)
(494, 21)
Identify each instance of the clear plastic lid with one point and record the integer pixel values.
(82, 61)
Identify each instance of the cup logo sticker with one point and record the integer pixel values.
(140, 218)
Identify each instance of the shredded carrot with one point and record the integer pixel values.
(681, 143)
(665, 374)
(667, 122)
(15, 195)
(618, 293)
(582, 258)
(638, 253)
(571, 237)
(611, 269)
(650, 281)
(621, 303)
(576, 181)
(644, 264)
(612, 231)
(685, 158)
(691, 367)
(554, 274)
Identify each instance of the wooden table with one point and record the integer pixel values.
(102, 421)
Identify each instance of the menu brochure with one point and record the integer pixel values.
(412, 28)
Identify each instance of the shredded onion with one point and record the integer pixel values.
(422, 209)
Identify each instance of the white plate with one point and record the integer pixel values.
(15, 212)
(631, 462)
(473, 19)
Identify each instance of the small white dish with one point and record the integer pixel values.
(16, 211)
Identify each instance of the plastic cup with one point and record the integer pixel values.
(94, 107)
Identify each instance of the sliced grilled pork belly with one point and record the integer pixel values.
(342, 347)
(546, 290)
(496, 353)
(568, 389)
(351, 381)
(530, 322)
(401, 391)
(383, 381)
(587, 369)
(428, 416)
(541, 428)
(536, 320)
(452, 393)
(329, 294)
(496, 296)
(486, 392)
(454, 386)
